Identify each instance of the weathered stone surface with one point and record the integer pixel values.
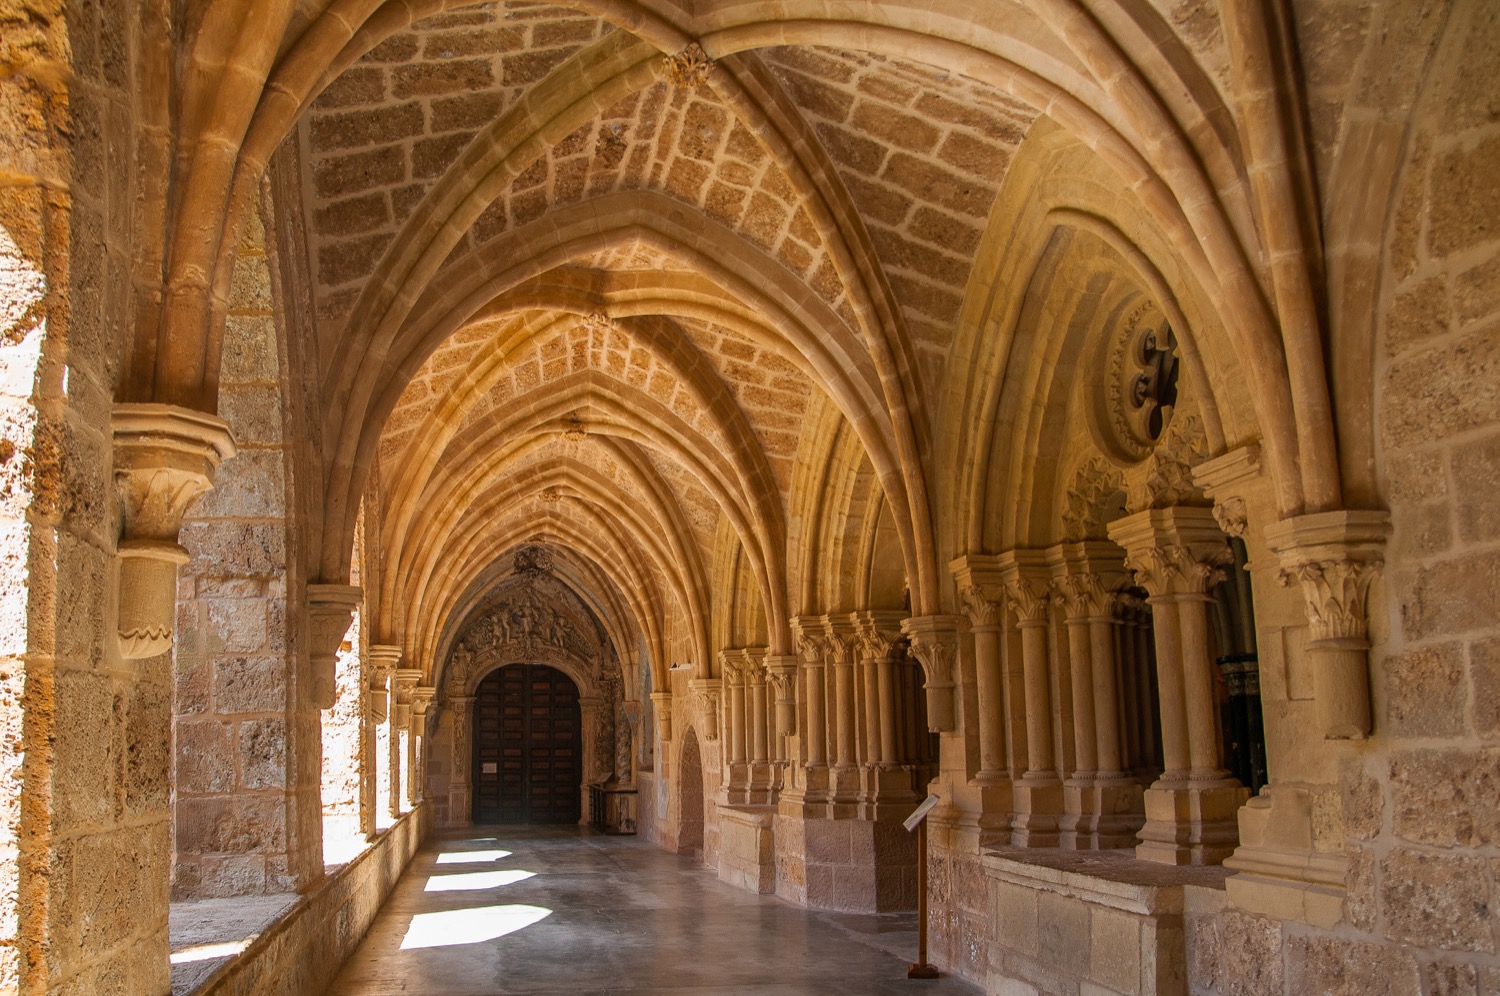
(1431, 900)
(1427, 691)
(1334, 965)
(1446, 797)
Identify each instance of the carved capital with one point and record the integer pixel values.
(1333, 557)
(810, 648)
(380, 664)
(1226, 479)
(877, 634)
(421, 702)
(1028, 597)
(981, 609)
(689, 68)
(164, 460)
(405, 689)
(1173, 551)
(705, 693)
(934, 642)
(661, 705)
(330, 608)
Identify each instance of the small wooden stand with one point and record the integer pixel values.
(918, 821)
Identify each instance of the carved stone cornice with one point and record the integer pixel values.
(164, 460)
(706, 693)
(405, 688)
(689, 68)
(877, 633)
(1333, 557)
(1087, 578)
(380, 660)
(1173, 551)
(934, 642)
(330, 609)
(1226, 479)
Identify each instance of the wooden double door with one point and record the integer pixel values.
(528, 747)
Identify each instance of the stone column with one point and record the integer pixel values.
(758, 720)
(984, 628)
(816, 749)
(406, 679)
(1037, 794)
(1176, 554)
(661, 708)
(781, 670)
(1102, 805)
(460, 809)
(380, 663)
(934, 642)
(888, 792)
(421, 700)
(330, 609)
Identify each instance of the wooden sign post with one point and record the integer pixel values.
(918, 821)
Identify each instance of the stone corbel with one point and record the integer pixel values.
(661, 705)
(705, 693)
(421, 701)
(382, 660)
(330, 608)
(934, 642)
(1333, 557)
(782, 671)
(164, 460)
(406, 687)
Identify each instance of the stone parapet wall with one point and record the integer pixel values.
(304, 950)
(747, 849)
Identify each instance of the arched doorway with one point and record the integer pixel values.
(690, 834)
(528, 747)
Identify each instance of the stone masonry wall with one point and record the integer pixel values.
(236, 764)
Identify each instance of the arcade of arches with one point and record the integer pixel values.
(733, 422)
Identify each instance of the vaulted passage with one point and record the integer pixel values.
(713, 430)
(532, 911)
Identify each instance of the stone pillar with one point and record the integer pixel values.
(405, 684)
(1102, 805)
(758, 722)
(984, 628)
(421, 700)
(781, 669)
(1037, 795)
(934, 642)
(816, 748)
(380, 665)
(164, 461)
(460, 809)
(844, 778)
(1176, 554)
(1333, 557)
(888, 792)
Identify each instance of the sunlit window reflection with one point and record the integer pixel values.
(470, 857)
(484, 923)
(476, 880)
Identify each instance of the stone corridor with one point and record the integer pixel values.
(560, 910)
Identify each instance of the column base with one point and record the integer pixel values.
(843, 792)
(1191, 822)
(1101, 813)
(1038, 813)
(1278, 872)
(806, 793)
(887, 792)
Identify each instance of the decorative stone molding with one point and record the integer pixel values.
(381, 661)
(1094, 500)
(934, 642)
(982, 610)
(406, 686)
(705, 693)
(1173, 551)
(781, 669)
(877, 633)
(1087, 578)
(661, 705)
(164, 460)
(689, 68)
(1333, 557)
(330, 608)
(421, 701)
(1225, 479)
(1028, 584)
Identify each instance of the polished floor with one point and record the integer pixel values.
(560, 910)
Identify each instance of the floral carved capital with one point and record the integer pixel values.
(689, 68)
(164, 461)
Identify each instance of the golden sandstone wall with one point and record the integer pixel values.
(805, 374)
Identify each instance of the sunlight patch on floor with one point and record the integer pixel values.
(470, 857)
(472, 926)
(476, 880)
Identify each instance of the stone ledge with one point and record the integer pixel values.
(304, 949)
(1116, 879)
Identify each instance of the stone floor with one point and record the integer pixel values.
(561, 910)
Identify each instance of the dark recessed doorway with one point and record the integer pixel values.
(528, 747)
